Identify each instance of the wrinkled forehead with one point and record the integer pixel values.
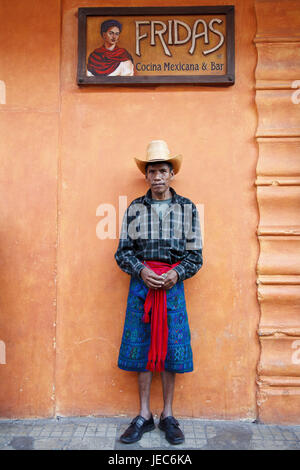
(159, 166)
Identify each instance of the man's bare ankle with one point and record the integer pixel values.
(146, 415)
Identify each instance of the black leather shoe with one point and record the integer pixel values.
(136, 429)
(170, 425)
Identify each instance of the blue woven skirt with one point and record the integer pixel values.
(133, 355)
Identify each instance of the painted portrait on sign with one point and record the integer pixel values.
(109, 59)
(155, 45)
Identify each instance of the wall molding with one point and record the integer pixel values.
(278, 196)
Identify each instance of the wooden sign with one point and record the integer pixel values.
(155, 45)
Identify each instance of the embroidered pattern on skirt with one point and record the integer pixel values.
(133, 355)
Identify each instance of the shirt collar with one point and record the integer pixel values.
(148, 198)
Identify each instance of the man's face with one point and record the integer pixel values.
(111, 36)
(159, 177)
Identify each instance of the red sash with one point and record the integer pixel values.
(156, 301)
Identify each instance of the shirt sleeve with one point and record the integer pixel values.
(193, 259)
(124, 255)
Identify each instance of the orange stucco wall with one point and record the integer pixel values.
(66, 150)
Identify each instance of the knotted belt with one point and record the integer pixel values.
(156, 301)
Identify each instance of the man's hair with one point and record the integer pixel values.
(159, 163)
(109, 24)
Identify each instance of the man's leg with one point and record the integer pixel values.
(144, 421)
(168, 384)
(167, 422)
(144, 380)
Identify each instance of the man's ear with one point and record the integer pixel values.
(172, 174)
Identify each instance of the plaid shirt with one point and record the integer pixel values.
(176, 237)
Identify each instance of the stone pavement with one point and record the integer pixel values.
(93, 433)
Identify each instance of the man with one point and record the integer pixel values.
(109, 59)
(160, 246)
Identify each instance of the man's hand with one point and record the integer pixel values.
(170, 279)
(154, 281)
(151, 279)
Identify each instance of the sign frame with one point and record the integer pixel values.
(226, 79)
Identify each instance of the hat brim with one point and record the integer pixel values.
(176, 163)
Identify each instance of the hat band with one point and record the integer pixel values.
(152, 159)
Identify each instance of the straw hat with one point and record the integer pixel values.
(157, 151)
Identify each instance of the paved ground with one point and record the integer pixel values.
(91, 433)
